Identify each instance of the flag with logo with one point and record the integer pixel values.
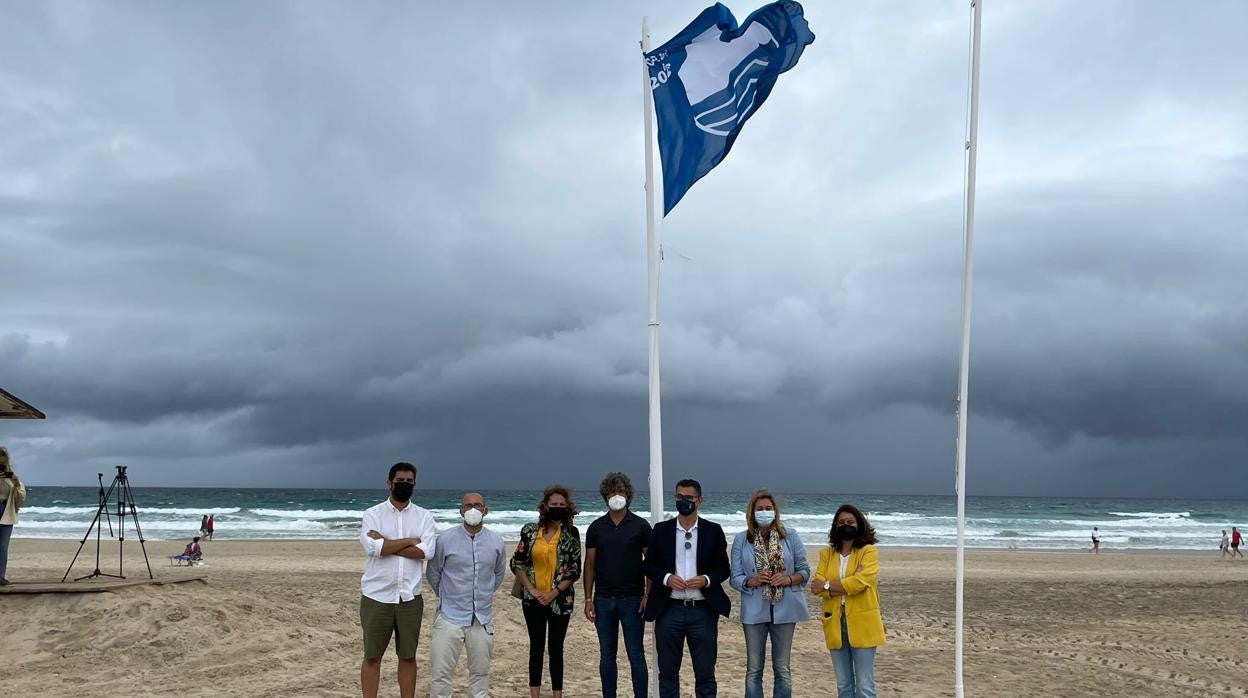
(710, 78)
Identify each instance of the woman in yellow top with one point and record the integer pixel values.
(547, 563)
(846, 579)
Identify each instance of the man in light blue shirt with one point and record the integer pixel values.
(466, 569)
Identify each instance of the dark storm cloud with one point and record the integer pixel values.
(265, 244)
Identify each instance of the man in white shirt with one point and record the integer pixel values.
(397, 537)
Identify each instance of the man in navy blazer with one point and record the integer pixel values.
(688, 563)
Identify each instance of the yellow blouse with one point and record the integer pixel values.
(544, 560)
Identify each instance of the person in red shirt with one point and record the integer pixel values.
(1236, 539)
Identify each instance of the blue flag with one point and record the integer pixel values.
(710, 78)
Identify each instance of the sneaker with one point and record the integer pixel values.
(4, 582)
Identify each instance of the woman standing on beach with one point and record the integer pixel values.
(12, 496)
(769, 569)
(846, 579)
(547, 563)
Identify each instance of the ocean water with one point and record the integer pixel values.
(926, 521)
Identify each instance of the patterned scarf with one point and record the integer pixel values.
(769, 556)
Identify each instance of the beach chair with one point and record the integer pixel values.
(183, 559)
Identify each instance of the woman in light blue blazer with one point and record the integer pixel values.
(769, 568)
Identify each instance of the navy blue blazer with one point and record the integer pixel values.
(712, 562)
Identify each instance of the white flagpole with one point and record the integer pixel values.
(964, 368)
(652, 272)
(652, 292)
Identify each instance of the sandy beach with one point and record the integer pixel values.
(280, 619)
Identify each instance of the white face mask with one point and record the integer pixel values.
(473, 517)
(764, 517)
(617, 502)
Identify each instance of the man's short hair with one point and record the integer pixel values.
(397, 467)
(615, 482)
(688, 482)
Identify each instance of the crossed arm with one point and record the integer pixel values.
(411, 548)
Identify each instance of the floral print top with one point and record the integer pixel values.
(567, 564)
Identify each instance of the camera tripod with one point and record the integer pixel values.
(125, 507)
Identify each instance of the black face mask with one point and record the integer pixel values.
(559, 514)
(846, 532)
(402, 491)
(686, 506)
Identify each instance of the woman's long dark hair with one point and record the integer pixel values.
(866, 534)
(543, 510)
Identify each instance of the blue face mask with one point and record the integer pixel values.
(765, 517)
(686, 506)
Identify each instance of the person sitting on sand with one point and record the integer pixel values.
(193, 552)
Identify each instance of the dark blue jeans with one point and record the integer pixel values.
(6, 530)
(611, 615)
(699, 626)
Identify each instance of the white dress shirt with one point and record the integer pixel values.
(844, 567)
(687, 563)
(394, 578)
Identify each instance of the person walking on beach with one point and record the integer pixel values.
(12, 498)
(1096, 541)
(203, 527)
(769, 568)
(688, 564)
(846, 580)
(466, 569)
(1225, 546)
(212, 525)
(397, 537)
(1236, 539)
(616, 589)
(546, 564)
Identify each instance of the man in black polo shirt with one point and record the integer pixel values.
(615, 546)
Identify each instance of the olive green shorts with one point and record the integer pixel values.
(381, 620)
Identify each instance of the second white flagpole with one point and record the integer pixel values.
(964, 366)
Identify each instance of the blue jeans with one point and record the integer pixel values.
(755, 651)
(610, 615)
(6, 530)
(697, 626)
(855, 668)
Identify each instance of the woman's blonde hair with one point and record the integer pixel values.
(751, 526)
(4, 459)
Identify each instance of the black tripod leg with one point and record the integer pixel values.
(134, 513)
(94, 521)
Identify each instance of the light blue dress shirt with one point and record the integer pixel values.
(464, 572)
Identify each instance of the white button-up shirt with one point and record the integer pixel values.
(394, 578)
(687, 562)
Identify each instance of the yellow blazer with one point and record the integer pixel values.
(862, 600)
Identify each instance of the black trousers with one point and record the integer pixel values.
(699, 627)
(537, 618)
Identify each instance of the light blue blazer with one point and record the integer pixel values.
(754, 608)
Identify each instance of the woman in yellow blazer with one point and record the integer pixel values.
(846, 579)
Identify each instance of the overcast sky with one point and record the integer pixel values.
(292, 243)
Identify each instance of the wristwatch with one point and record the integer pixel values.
(827, 586)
